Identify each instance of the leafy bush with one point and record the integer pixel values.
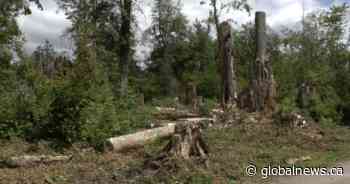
(24, 102)
(131, 116)
(287, 105)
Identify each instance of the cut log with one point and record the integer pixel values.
(206, 122)
(27, 160)
(140, 138)
(173, 114)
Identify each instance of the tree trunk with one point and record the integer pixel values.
(186, 144)
(140, 138)
(228, 77)
(264, 84)
(125, 45)
(262, 92)
(191, 96)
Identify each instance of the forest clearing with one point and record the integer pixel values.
(204, 99)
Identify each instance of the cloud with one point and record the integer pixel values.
(50, 24)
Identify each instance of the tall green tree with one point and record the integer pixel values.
(168, 34)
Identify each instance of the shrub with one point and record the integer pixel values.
(207, 106)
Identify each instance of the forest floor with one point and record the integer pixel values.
(232, 146)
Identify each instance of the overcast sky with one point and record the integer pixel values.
(50, 24)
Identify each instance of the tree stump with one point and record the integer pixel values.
(186, 144)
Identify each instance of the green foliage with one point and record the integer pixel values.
(200, 179)
(316, 57)
(287, 105)
(47, 97)
(132, 116)
(207, 106)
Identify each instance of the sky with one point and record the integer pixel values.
(51, 23)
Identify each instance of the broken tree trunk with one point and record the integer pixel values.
(260, 97)
(228, 77)
(140, 138)
(27, 161)
(186, 144)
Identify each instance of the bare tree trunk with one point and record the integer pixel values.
(228, 77)
(262, 92)
(264, 84)
(191, 96)
(125, 44)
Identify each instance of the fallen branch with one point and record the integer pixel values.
(27, 160)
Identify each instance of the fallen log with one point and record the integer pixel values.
(140, 138)
(28, 160)
(173, 114)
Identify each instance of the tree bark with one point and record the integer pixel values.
(228, 77)
(264, 84)
(262, 92)
(125, 45)
(173, 114)
(139, 138)
(186, 144)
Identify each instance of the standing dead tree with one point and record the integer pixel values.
(228, 77)
(260, 97)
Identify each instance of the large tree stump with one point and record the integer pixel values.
(186, 144)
